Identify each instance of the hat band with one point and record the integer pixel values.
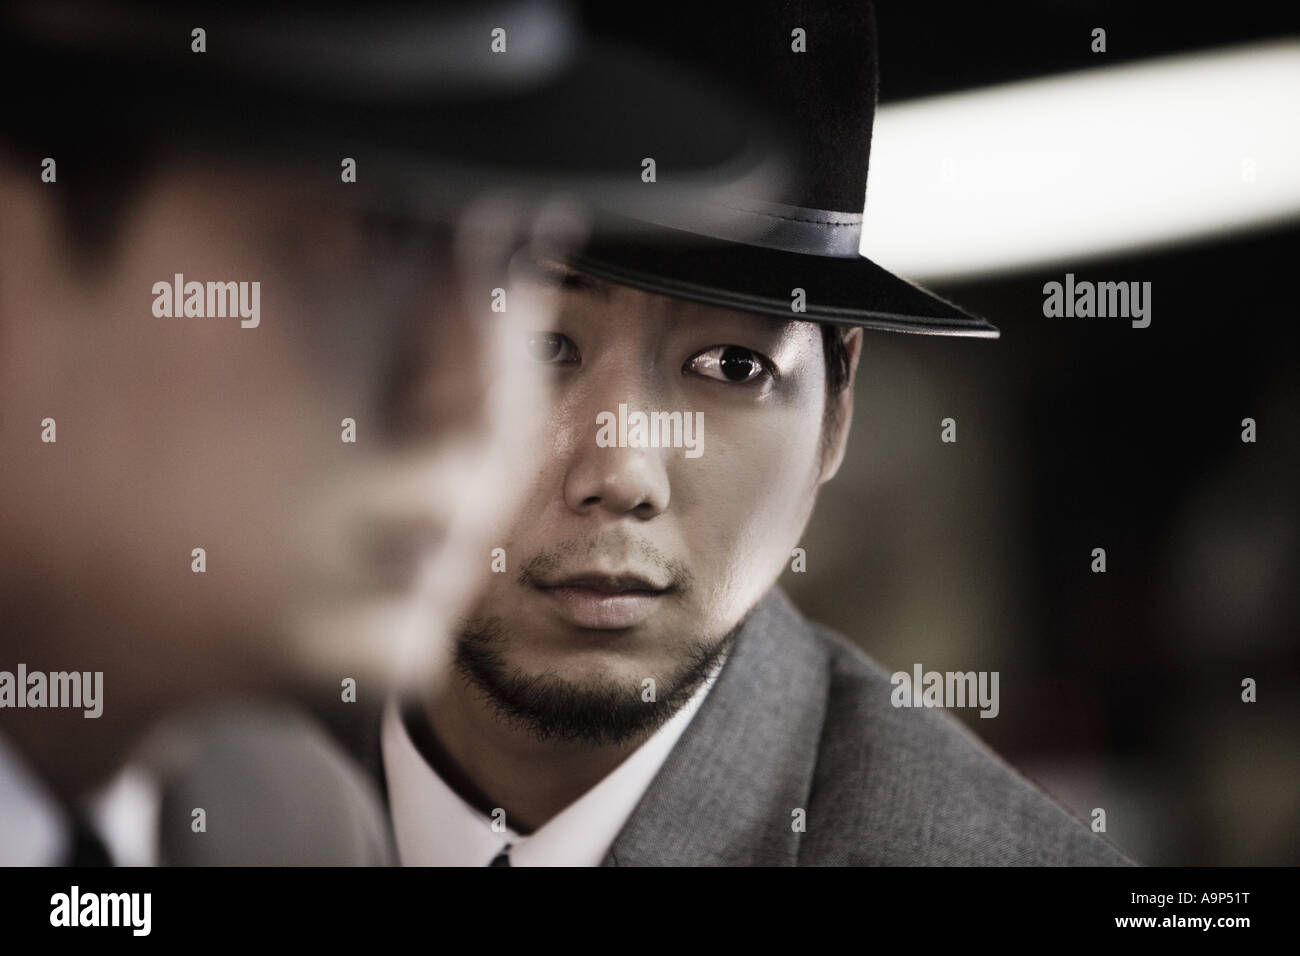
(798, 229)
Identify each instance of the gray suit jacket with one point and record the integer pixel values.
(275, 790)
(801, 719)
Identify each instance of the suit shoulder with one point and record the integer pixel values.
(913, 786)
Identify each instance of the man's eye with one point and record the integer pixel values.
(552, 348)
(729, 363)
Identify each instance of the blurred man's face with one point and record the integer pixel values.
(632, 563)
(188, 432)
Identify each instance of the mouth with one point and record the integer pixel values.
(605, 601)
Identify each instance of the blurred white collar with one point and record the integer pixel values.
(35, 829)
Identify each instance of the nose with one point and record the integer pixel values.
(615, 480)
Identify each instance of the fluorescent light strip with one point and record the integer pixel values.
(1099, 162)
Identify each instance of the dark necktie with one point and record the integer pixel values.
(87, 848)
(502, 858)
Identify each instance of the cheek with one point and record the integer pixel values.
(182, 433)
(744, 503)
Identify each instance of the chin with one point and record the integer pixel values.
(579, 659)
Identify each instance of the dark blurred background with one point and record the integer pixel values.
(1119, 690)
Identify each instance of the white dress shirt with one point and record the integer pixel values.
(434, 826)
(35, 829)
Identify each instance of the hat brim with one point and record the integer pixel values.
(751, 278)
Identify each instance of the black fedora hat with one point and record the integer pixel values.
(434, 101)
(813, 66)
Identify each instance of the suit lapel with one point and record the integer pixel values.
(727, 792)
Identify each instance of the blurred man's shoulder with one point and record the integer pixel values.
(904, 785)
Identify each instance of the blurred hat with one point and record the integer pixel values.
(813, 66)
(434, 101)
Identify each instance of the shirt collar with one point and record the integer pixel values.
(35, 829)
(125, 814)
(434, 826)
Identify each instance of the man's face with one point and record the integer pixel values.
(627, 563)
(185, 432)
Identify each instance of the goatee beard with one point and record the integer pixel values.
(598, 713)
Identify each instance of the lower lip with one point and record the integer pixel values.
(603, 610)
